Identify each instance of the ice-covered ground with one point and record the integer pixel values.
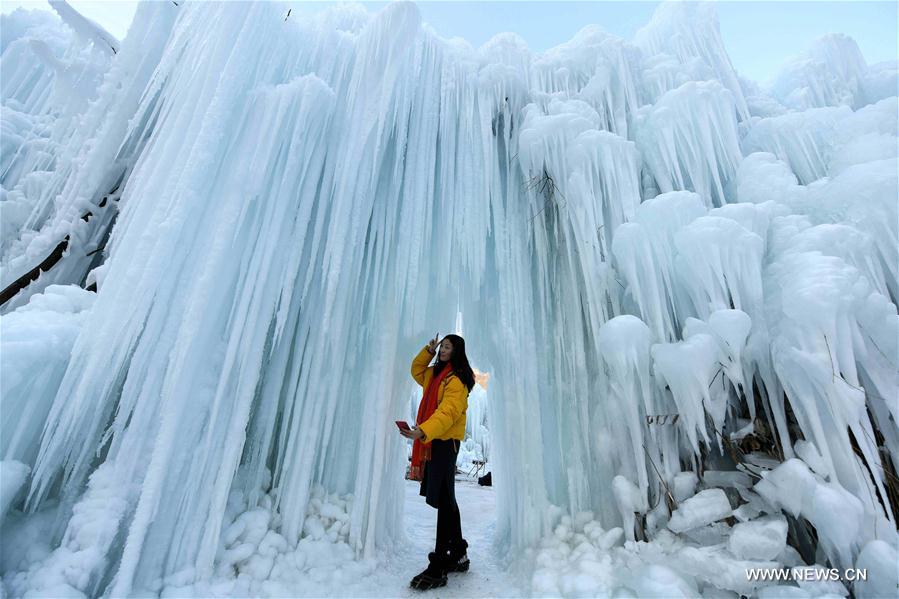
(487, 576)
(255, 561)
(389, 572)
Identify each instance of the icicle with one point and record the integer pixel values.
(830, 73)
(305, 201)
(689, 140)
(644, 253)
(689, 32)
(801, 139)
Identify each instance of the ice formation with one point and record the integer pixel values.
(682, 284)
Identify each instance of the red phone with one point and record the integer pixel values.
(402, 425)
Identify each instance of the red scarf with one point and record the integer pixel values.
(421, 452)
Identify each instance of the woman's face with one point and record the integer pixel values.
(446, 351)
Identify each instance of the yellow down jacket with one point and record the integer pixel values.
(448, 420)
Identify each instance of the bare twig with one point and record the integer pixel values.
(661, 479)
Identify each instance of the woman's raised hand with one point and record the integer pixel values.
(432, 344)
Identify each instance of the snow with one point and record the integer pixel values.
(682, 284)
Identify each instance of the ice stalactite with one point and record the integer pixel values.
(28, 80)
(701, 353)
(644, 253)
(585, 183)
(248, 204)
(689, 140)
(865, 136)
(688, 33)
(86, 160)
(624, 345)
(37, 340)
(825, 141)
(597, 68)
(719, 263)
(821, 305)
(476, 445)
(801, 139)
(687, 314)
(832, 72)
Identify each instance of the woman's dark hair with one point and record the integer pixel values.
(461, 367)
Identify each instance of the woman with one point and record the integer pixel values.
(436, 440)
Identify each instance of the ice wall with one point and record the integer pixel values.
(65, 162)
(651, 274)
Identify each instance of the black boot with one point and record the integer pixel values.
(457, 558)
(431, 577)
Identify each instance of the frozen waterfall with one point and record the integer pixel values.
(683, 287)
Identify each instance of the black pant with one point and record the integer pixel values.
(439, 488)
(449, 523)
